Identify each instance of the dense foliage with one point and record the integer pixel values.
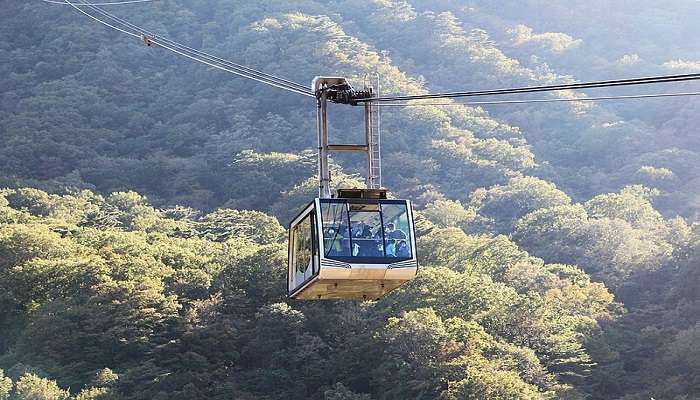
(141, 255)
(115, 299)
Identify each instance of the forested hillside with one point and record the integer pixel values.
(142, 220)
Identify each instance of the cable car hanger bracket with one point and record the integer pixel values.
(338, 90)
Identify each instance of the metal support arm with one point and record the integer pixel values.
(338, 90)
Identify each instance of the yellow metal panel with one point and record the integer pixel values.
(348, 289)
(400, 273)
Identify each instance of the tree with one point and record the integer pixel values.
(6, 386)
(190, 307)
(94, 393)
(112, 324)
(21, 243)
(417, 351)
(225, 224)
(551, 233)
(32, 387)
(105, 378)
(255, 280)
(505, 204)
(282, 351)
(496, 385)
(447, 213)
(340, 392)
(632, 204)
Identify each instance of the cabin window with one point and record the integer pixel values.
(303, 250)
(372, 231)
(397, 232)
(336, 229)
(367, 233)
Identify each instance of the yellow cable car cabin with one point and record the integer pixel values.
(351, 247)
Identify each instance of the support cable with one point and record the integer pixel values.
(545, 88)
(100, 21)
(530, 101)
(111, 3)
(155, 37)
(193, 54)
(152, 37)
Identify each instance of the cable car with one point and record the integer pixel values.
(358, 244)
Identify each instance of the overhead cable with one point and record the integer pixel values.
(100, 21)
(111, 3)
(209, 59)
(544, 88)
(223, 68)
(151, 38)
(193, 54)
(530, 101)
(155, 37)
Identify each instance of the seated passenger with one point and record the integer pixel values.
(338, 248)
(343, 230)
(402, 249)
(391, 248)
(328, 237)
(336, 243)
(362, 247)
(392, 233)
(361, 230)
(355, 229)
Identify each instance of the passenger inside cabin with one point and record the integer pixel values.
(393, 233)
(395, 238)
(365, 242)
(337, 243)
(402, 249)
(361, 230)
(376, 249)
(391, 248)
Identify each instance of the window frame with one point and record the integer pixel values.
(372, 260)
(308, 212)
(321, 226)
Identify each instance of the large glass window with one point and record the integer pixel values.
(303, 251)
(366, 230)
(336, 229)
(397, 239)
(367, 235)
